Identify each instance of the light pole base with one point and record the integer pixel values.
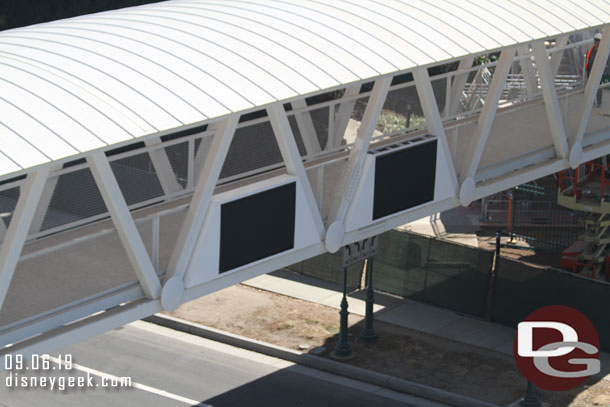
(368, 335)
(531, 399)
(342, 352)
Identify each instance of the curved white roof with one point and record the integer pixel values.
(79, 84)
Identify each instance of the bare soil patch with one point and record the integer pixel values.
(401, 352)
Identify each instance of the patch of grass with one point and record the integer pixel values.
(284, 326)
(312, 321)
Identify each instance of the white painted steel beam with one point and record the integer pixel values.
(124, 223)
(292, 158)
(345, 190)
(45, 200)
(346, 107)
(481, 132)
(163, 167)
(306, 128)
(597, 70)
(556, 57)
(551, 103)
(202, 151)
(453, 104)
(519, 177)
(433, 117)
(17, 232)
(81, 330)
(207, 180)
(529, 74)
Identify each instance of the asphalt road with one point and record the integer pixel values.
(168, 368)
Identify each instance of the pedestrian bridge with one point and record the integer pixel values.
(155, 154)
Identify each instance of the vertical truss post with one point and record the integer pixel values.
(124, 224)
(202, 196)
(163, 167)
(551, 102)
(529, 75)
(17, 232)
(481, 132)
(292, 159)
(595, 77)
(341, 121)
(346, 188)
(433, 117)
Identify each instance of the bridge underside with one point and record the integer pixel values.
(144, 227)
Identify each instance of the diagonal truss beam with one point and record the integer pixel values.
(17, 232)
(346, 107)
(481, 132)
(529, 75)
(45, 200)
(202, 151)
(433, 117)
(306, 128)
(292, 158)
(163, 167)
(595, 77)
(556, 57)
(124, 223)
(551, 102)
(350, 176)
(207, 180)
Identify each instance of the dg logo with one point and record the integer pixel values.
(557, 348)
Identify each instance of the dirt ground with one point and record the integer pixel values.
(402, 352)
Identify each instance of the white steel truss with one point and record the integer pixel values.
(179, 213)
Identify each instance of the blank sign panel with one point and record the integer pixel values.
(257, 226)
(404, 178)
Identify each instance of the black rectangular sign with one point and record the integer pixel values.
(404, 179)
(257, 226)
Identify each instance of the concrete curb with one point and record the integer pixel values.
(317, 362)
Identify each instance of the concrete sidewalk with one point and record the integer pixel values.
(402, 312)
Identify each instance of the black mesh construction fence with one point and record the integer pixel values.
(328, 267)
(456, 277)
(521, 288)
(433, 271)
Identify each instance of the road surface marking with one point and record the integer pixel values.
(136, 385)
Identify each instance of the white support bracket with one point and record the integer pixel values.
(343, 115)
(17, 232)
(529, 75)
(352, 171)
(198, 209)
(433, 117)
(597, 70)
(292, 159)
(163, 167)
(551, 102)
(306, 128)
(124, 224)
